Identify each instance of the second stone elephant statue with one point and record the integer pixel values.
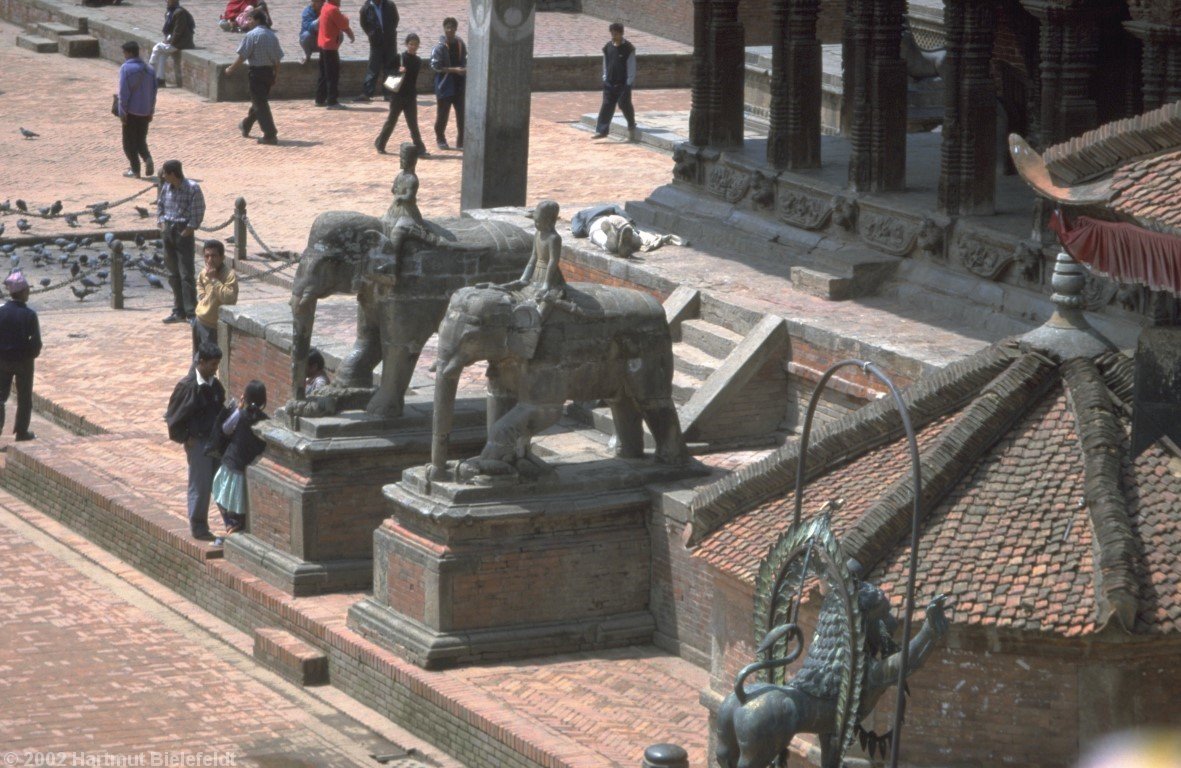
(400, 297)
(597, 342)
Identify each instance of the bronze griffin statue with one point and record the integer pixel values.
(851, 661)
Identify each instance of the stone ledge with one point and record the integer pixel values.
(35, 43)
(289, 657)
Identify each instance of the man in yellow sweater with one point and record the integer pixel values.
(217, 286)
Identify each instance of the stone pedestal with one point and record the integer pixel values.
(467, 574)
(496, 128)
(316, 495)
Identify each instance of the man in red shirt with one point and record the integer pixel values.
(333, 24)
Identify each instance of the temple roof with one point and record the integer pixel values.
(1037, 518)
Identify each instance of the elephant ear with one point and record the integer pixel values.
(524, 330)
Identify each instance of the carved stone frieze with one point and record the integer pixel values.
(685, 165)
(762, 193)
(931, 238)
(844, 212)
(980, 256)
(802, 210)
(887, 233)
(727, 183)
(1030, 258)
(1098, 292)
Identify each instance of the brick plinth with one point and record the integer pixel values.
(315, 497)
(290, 657)
(467, 573)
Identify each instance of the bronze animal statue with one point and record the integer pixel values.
(851, 661)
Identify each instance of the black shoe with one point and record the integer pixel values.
(175, 317)
(334, 105)
(244, 128)
(600, 135)
(381, 147)
(149, 168)
(203, 536)
(22, 437)
(321, 103)
(442, 144)
(272, 140)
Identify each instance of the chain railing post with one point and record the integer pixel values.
(116, 274)
(239, 230)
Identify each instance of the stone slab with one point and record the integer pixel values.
(36, 43)
(79, 46)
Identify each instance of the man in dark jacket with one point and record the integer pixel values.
(178, 36)
(379, 20)
(449, 62)
(20, 344)
(192, 415)
(619, 75)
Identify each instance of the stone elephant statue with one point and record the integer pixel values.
(400, 297)
(596, 342)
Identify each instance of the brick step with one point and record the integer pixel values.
(79, 46)
(55, 30)
(694, 362)
(35, 43)
(289, 657)
(822, 283)
(712, 339)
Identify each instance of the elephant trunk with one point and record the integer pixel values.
(303, 315)
(446, 388)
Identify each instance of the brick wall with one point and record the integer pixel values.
(252, 357)
(682, 594)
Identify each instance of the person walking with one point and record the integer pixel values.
(193, 409)
(180, 210)
(178, 36)
(405, 99)
(261, 50)
(449, 62)
(619, 75)
(332, 24)
(217, 287)
(20, 345)
(309, 28)
(379, 21)
(137, 104)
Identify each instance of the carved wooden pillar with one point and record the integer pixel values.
(1160, 62)
(875, 95)
(1069, 50)
(719, 68)
(794, 138)
(967, 179)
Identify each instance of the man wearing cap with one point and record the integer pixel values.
(20, 344)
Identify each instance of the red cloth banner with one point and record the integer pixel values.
(1124, 252)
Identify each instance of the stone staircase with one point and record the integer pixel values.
(73, 40)
(729, 380)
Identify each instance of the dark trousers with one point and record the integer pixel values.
(380, 62)
(612, 95)
(135, 140)
(202, 468)
(406, 104)
(261, 80)
(178, 258)
(22, 371)
(444, 111)
(201, 334)
(328, 87)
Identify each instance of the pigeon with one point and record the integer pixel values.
(102, 218)
(64, 260)
(22, 206)
(82, 293)
(103, 257)
(102, 274)
(61, 242)
(45, 281)
(15, 261)
(23, 225)
(29, 134)
(84, 242)
(109, 237)
(70, 247)
(45, 211)
(143, 212)
(140, 240)
(90, 282)
(8, 247)
(158, 259)
(56, 208)
(75, 269)
(6, 206)
(1, 228)
(83, 259)
(72, 219)
(155, 282)
(99, 207)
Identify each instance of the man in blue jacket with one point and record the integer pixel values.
(449, 62)
(20, 344)
(137, 104)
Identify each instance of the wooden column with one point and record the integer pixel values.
(1068, 46)
(875, 95)
(700, 104)
(1160, 63)
(967, 178)
(794, 138)
(727, 53)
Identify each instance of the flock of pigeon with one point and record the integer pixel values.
(63, 259)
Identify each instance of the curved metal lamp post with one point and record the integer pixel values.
(917, 479)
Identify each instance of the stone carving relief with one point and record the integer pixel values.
(727, 183)
(1098, 292)
(981, 257)
(685, 167)
(804, 211)
(931, 238)
(762, 194)
(1030, 258)
(844, 212)
(887, 233)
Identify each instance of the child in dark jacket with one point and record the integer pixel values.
(229, 484)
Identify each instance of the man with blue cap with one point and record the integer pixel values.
(20, 344)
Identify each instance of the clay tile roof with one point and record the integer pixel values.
(1036, 518)
(1101, 151)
